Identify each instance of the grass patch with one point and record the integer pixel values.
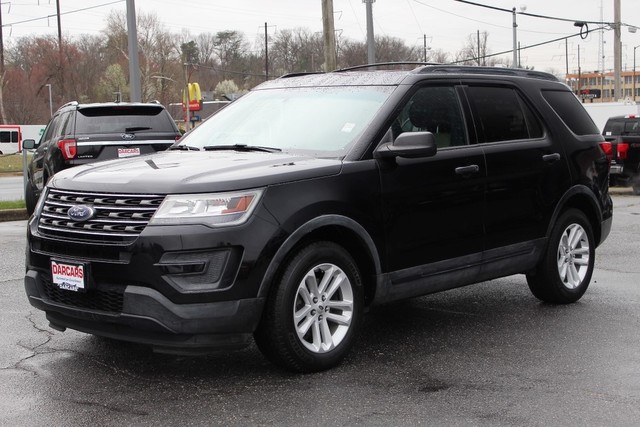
(12, 163)
(12, 204)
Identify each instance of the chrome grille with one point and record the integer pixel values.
(119, 218)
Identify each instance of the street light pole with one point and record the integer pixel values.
(634, 72)
(51, 102)
(187, 121)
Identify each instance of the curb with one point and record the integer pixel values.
(13, 214)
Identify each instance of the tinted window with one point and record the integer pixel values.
(66, 119)
(9, 136)
(123, 119)
(622, 127)
(502, 115)
(567, 106)
(433, 109)
(48, 132)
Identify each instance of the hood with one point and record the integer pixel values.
(172, 172)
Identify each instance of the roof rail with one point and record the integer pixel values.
(386, 64)
(469, 69)
(302, 73)
(70, 103)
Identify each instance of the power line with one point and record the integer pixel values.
(533, 15)
(531, 46)
(65, 13)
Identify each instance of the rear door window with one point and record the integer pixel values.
(502, 115)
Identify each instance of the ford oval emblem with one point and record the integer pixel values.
(81, 213)
(128, 136)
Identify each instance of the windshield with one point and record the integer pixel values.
(322, 122)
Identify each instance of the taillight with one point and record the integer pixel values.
(623, 150)
(68, 148)
(607, 147)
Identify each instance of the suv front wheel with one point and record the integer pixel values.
(314, 310)
(565, 271)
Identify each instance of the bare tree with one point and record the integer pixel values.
(476, 51)
(91, 68)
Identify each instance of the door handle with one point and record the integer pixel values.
(467, 170)
(551, 158)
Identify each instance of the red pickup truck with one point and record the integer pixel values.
(622, 135)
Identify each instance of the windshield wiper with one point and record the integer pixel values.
(183, 148)
(241, 147)
(136, 128)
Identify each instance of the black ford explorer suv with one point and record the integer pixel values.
(84, 133)
(287, 214)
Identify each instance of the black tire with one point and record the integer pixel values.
(30, 199)
(636, 189)
(564, 273)
(295, 344)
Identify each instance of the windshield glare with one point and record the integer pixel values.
(323, 122)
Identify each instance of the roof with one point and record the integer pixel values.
(364, 75)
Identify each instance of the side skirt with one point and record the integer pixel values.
(458, 272)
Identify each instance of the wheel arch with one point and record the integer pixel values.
(581, 198)
(339, 229)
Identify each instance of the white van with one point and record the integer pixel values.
(10, 139)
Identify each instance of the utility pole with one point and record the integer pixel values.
(330, 62)
(3, 116)
(478, 40)
(266, 53)
(371, 44)
(425, 48)
(617, 59)
(134, 65)
(515, 40)
(60, 51)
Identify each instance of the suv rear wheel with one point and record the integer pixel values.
(313, 312)
(565, 271)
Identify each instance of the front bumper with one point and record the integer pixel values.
(147, 317)
(180, 289)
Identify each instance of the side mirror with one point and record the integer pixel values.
(410, 145)
(29, 144)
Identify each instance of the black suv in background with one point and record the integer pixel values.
(287, 214)
(622, 146)
(84, 133)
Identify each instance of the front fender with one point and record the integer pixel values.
(310, 226)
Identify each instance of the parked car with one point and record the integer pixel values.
(313, 197)
(622, 135)
(84, 133)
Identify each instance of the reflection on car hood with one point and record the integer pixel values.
(193, 172)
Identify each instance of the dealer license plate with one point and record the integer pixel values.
(68, 276)
(128, 152)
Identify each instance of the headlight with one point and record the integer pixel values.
(212, 209)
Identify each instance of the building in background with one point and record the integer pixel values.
(598, 87)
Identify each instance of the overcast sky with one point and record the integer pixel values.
(446, 23)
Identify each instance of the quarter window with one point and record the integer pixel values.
(568, 108)
(502, 115)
